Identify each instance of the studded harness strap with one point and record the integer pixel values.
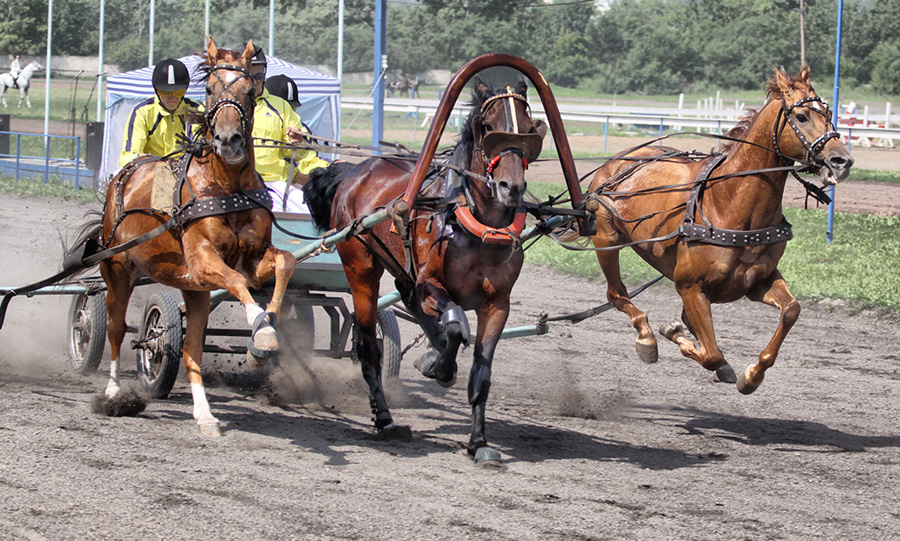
(708, 234)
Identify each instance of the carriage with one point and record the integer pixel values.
(466, 255)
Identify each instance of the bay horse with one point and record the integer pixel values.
(719, 237)
(23, 80)
(456, 256)
(213, 246)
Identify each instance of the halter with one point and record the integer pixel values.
(812, 149)
(222, 102)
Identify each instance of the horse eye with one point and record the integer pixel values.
(208, 91)
(802, 118)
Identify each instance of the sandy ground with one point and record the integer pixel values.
(596, 444)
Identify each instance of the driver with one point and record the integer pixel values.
(14, 69)
(155, 123)
(276, 120)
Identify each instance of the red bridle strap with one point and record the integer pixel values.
(489, 235)
(496, 160)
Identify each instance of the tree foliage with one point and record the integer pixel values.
(654, 46)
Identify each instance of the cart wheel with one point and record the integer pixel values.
(388, 333)
(87, 332)
(160, 355)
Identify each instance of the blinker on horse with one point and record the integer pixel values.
(715, 226)
(441, 267)
(216, 233)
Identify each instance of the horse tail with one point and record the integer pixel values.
(319, 191)
(89, 233)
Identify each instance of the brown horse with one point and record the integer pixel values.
(654, 196)
(229, 250)
(459, 260)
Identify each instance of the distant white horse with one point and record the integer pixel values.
(24, 81)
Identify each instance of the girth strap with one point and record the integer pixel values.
(708, 234)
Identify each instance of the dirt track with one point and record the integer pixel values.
(597, 445)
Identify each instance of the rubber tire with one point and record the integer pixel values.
(161, 312)
(86, 332)
(388, 333)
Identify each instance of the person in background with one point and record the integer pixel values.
(155, 123)
(14, 69)
(274, 119)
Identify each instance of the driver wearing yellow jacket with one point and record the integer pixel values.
(275, 119)
(155, 123)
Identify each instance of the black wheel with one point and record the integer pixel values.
(388, 333)
(161, 335)
(87, 332)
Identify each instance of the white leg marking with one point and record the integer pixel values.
(112, 388)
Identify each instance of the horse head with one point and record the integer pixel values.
(230, 98)
(504, 138)
(811, 138)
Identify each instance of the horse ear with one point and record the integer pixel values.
(521, 87)
(482, 89)
(248, 51)
(804, 74)
(540, 127)
(211, 50)
(784, 81)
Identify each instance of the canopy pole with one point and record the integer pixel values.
(829, 232)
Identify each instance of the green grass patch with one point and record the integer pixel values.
(873, 175)
(53, 188)
(859, 266)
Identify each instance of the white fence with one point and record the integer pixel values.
(865, 130)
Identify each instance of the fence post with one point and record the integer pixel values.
(47, 159)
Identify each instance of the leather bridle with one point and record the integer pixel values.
(785, 119)
(222, 100)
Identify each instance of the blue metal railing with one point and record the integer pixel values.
(64, 167)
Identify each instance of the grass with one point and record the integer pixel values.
(55, 188)
(858, 267)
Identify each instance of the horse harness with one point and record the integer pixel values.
(708, 234)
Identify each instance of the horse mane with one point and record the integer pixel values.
(742, 128)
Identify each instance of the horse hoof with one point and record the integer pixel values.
(669, 330)
(743, 386)
(647, 353)
(725, 374)
(256, 362)
(487, 457)
(395, 432)
(426, 364)
(210, 429)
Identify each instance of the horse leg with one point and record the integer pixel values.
(774, 292)
(196, 315)
(645, 345)
(119, 289)
(282, 264)
(437, 310)
(699, 317)
(724, 373)
(205, 263)
(491, 319)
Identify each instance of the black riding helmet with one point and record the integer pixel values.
(285, 88)
(170, 75)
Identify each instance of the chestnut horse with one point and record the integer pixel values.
(661, 201)
(225, 249)
(460, 259)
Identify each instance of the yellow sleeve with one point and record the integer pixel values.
(307, 160)
(135, 138)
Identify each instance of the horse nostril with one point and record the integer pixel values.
(236, 140)
(503, 185)
(839, 162)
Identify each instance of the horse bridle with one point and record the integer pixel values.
(512, 128)
(223, 102)
(812, 149)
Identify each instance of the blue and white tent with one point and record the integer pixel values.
(320, 96)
